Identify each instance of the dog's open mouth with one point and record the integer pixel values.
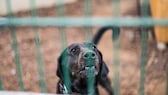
(88, 71)
(88, 65)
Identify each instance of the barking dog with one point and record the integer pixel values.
(75, 58)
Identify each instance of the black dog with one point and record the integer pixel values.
(75, 60)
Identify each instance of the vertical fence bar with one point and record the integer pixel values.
(143, 60)
(90, 76)
(66, 75)
(115, 38)
(15, 46)
(88, 35)
(61, 13)
(144, 34)
(115, 7)
(167, 78)
(38, 49)
(1, 85)
(87, 11)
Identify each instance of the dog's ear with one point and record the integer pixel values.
(59, 72)
(103, 79)
(103, 71)
(103, 68)
(60, 63)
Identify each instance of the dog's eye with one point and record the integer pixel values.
(94, 47)
(74, 50)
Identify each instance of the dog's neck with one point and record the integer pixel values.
(78, 86)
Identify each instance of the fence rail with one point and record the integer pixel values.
(83, 21)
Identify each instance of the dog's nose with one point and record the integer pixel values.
(89, 55)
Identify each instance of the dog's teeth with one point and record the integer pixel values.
(93, 67)
(96, 73)
(86, 68)
(73, 73)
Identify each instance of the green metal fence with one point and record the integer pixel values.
(87, 21)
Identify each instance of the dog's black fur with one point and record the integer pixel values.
(74, 58)
(101, 31)
(116, 30)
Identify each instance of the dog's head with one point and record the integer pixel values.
(79, 58)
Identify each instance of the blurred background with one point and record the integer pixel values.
(50, 40)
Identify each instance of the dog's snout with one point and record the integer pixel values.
(89, 55)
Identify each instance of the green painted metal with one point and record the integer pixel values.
(91, 79)
(40, 62)
(88, 33)
(144, 13)
(60, 8)
(66, 75)
(78, 22)
(143, 60)
(17, 58)
(61, 13)
(115, 8)
(87, 11)
(88, 36)
(15, 47)
(116, 62)
(87, 8)
(115, 39)
(167, 78)
(1, 85)
(63, 38)
(65, 61)
(38, 49)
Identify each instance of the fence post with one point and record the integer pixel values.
(144, 35)
(15, 46)
(63, 39)
(1, 85)
(143, 60)
(88, 35)
(38, 49)
(88, 13)
(115, 39)
(167, 78)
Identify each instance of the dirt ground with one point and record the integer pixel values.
(155, 83)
